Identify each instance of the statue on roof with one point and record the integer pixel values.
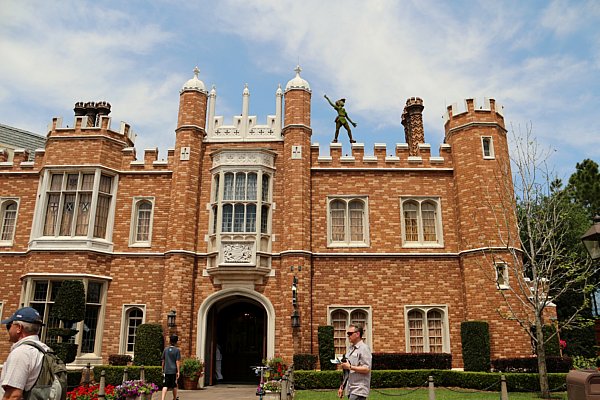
(341, 119)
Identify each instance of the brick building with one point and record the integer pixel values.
(245, 226)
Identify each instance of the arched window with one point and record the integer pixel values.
(142, 215)
(427, 329)
(8, 219)
(134, 318)
(348, 221)
(421, 222)
(340, 318)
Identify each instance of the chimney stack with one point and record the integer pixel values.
(90, 112)
(412, 120)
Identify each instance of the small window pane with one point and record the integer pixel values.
(428, 214)
(238, 219)
(83, 214)
(51, 215)
(90, 323)
(215, 214)
(68, 212)
(227, 218)
(56, 182)
(434, 322)
(264, 219)
(265, 188)
(251, 218)
(40, 291)
(410, 222)
(55, 288)
(143, 221)
(338, 219)
(101, 216)
(106, 184)
(339, 320)
(240, 186)
(87, 182)
(251, 187)
(134, 319)
(415, 330)
(94, 291)
(72, 180)
(216, 194)
(356, 221)
(228, 187)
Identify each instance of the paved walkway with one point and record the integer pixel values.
(217, 392)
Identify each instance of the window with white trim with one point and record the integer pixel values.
(341, 317)
(40, 293)
(487, 146)
(133, 316)
(8, 220)
(421, 222)
(142, 215)
(348, 222)
(427, 329)
(502, 275)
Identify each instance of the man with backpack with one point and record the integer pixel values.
(30, 361)
(24, 363)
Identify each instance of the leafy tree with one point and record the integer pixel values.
(584, 186)
(545, 266)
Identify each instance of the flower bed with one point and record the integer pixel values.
(91, 393)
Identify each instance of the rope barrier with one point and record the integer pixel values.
(410, 391)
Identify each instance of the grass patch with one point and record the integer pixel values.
(412, 394)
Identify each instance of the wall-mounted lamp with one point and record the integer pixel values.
(591, 239)
(171, 319)
(295, 319)
(295, 292)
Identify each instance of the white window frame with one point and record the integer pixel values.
(1, 310)
(424, 309)
(501, 265)
(4, 203)
(27, 298)
(368, 329)
(133, 242)
(57, 242)
(347, 242)
(491, 155)
(125, 325)
(421, 243)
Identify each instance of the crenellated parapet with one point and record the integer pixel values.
(471, 112)
(399, 157)
(244, 127)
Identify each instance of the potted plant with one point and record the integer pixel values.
(191, 370)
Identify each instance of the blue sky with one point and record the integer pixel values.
(539, 59)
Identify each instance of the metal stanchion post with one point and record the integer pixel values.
(101, 387)
(142, 374)
(125, 374)
(503, 389)
(431, 388)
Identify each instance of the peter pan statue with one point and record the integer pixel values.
(341, 119)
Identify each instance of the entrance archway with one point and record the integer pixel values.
(242, 322)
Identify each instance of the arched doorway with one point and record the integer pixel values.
(238, 326)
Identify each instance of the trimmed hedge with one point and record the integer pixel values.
(119, 359)
(326, 347)
(529, 364)
(475, 340)
(149, 344)
(402, 361)
(305, 362)
(415, 378)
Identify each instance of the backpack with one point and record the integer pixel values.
(51, 383)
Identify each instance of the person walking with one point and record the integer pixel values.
(24, 363)
(357, 366)
(171, 364)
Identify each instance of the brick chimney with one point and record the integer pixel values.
(412, 120)
(91, 112)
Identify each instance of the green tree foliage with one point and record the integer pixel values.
(475, 339)
(69, 305)
(584, 186)
(326, 347)
(149, 344)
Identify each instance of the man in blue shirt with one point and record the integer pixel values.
(171, 362)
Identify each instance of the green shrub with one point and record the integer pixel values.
(443, 378)
(149, 344)
(395, 361)
(530, 364)
(65, 351)
(475, 339)
(69, 305)
(326, 347)
(305, 361)
(551, 346)
(119, 359)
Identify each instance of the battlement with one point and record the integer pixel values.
(91, 118)
(244, 127)
(399, 157)
(411, 101)
(471, 111)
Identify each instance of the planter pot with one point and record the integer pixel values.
(190, 384)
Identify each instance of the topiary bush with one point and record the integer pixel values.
(475, 340)
(326, 347)
(305, 362)
(149, 344)
(69, 305)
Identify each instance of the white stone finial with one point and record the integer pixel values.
(196, 71)
(279, 91)
(194, 83)
(246, 92)
(297, 82)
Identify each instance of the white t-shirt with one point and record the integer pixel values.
(22, 366)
